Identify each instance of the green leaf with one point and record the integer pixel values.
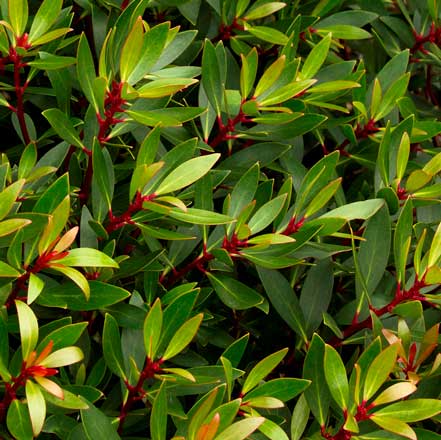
(262, 369)
(18, 421)
(69, 296)
(316, 293)
(166, 117)
(435, 248)
(52, 62)
(18, 15)
(316, 58)
(284, 300)
(131, 50)
(196, 216)
(265, 215)
(36, 406)
(336, 379)
(412, 410)
(183, 337)
(35, 287)
(63, 126)
(323, 197)
(153, 329)
(269, 34)
(263, 10)
(8, 197)
(283, 389)
(396, 91)
(153, 46)
(87, 257)
(373, 255)
(112, 347)
(44, 18)
(187, 173)
(379, 371)
(233, 293)
(345, 32)
(299, 418)
(63, 356)
(86, 72)
(158, 418)
(28, 160)
(395, 426)
(28, 328)
(270, 76)
(63, 336)
(402, 237)
(7, 271)
(356, 210)
(14, 224)
(248, 72)
(395, 392)
(316, 394)
(97, 425)
(50, 36)
(164, 87)
(286, 92)
(76, 276)
(242, 429)
(403, 156)
(211, 77)
(102, 174)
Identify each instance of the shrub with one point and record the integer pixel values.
(210, 208)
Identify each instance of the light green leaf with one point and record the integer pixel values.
(183, 337)
(316, 58)
(152, 329)
(44, 18)
(13, 224)
(62, 357)
(395, 426)
(164, 87)
(395, 392)
(18, 15)
(63, 126)
(131, 51)
(262, 369)
(28, 328)
(379, 370)
(263, 10)
(36, 285)
(270, 76)
(412, 410)
(8, 197)
(86, 257)
(241, 430)
(36, 405)
(158, 418)
(187, 173)
(336, 378)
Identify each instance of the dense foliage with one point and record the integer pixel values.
(220, 219)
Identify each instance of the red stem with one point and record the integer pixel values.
(198, 263)
(41, 263)
(413, 294)
(17, 382)
(361, 132)
(136, 392)
(19, 92)
(118, 221)
(225, 130)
